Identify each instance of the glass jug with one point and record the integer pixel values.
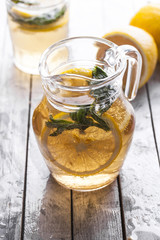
(84, 123)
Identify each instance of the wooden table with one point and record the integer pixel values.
(32, 204)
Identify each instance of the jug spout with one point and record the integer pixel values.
(133, 70)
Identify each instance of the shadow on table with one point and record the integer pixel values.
(90, 213)
(85, 211)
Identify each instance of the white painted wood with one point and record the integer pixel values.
(96, 215)
(140, 178)
(154, 94)
(48, 213)
(3, 31)
(14, 100)
(140, 174)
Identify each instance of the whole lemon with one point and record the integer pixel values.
(148, 18)
(145, 44)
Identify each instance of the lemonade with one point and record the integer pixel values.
(34, 27)
(85, 123)
(85, 149)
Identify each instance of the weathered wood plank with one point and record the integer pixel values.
(48, 212)
(3, 31)
(140, 174)
(140, 178)
(96, 215)
(14, 99)
(154, 95)
(83, 200)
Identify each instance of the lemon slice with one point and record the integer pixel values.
(53, 26)
(145, 44)
(148, 18)
(83, 154)
(61, 116)
(20, 12)
(34, 27)
(125, 117)
(77, 81)
(80, 71)
(43, 28)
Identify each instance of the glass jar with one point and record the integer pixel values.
(34, 26)
(84, 123)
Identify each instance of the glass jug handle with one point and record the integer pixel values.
(133, 73)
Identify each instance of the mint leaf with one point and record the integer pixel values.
(87, 117)
(43, 19)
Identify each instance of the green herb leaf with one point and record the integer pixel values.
(98, 73)
(27, 3)
(44, 19)
(87, 117)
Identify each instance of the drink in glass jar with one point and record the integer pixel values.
(34, 26)
(84, 123)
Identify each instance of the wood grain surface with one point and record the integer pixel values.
(32, 205)
(154, 98)
(48, 205)
(97, 215)
(140, 177)
(14, 100)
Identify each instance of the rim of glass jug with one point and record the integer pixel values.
(103, 81)
(49, 3)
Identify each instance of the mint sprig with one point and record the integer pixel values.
(87, 117)
(43, 19)
(23, 2)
